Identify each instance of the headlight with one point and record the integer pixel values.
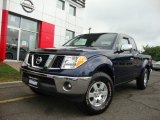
(25, 62)
(72, 62)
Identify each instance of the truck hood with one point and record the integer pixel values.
(86, 51)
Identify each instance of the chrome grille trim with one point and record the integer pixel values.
(48, 64)
(50, 61)
(33, 63)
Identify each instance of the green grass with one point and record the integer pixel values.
(8, 74)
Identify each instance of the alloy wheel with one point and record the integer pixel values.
(98, 94)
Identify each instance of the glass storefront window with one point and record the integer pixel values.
(14, 21)
(28, 40)
(72, 10)
(69, 34)
(61, 4)
(21, 38)
(12, 44)
(29, 25)
(27, 43)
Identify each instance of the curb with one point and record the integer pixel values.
(5, 83)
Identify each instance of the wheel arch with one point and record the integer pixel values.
(145, 65)
(105, 68)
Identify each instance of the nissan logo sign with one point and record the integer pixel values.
(27, 5)
(38, 60)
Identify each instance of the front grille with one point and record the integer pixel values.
(58, 62)
(40, 60)
(30, 59)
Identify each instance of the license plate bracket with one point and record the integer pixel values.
(33, 81)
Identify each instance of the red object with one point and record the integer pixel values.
(3, 36)
(46, 35)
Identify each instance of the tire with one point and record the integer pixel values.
(99, 94)
(142, 81)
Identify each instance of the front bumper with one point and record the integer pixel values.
(55, 83)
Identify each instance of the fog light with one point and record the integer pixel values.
(67, 86)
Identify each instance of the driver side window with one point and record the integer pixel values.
(122, 41)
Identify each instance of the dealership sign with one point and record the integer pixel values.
(27, 5)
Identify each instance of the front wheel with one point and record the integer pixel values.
(142, 81)
(99, 94)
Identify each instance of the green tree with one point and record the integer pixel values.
(153, 51)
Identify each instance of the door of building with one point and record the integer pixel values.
(21, 38)
(12, 43)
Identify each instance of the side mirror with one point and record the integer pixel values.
(126, 47)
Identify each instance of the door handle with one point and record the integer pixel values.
(131, 58)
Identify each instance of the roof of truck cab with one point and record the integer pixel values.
(120, 34)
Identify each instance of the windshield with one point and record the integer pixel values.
(93, 40)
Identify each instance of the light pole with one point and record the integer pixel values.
(89, 30)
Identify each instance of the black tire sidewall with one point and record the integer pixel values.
(140, 80)
(145, 72)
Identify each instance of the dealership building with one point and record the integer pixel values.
(29, 24)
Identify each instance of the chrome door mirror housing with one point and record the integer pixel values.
(126, 47)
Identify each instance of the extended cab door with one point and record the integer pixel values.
(137, 61)
(123, 62)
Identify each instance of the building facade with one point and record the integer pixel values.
(29, 24)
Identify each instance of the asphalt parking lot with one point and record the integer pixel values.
(17, 102)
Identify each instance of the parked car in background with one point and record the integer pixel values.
(156, 65)
(11, 52)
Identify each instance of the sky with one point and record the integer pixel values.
(137, 18)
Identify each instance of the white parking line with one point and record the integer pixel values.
(16, 99)
(14, 82)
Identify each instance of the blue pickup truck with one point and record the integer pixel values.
(87, 68)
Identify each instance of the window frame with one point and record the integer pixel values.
(125, 38)
(118, 41)
(74, 10)
(20, 29)
(134, 46)
(72, 32)
(63, 4)
(117, 44)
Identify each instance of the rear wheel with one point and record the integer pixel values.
(99, 94)
(142, 81)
